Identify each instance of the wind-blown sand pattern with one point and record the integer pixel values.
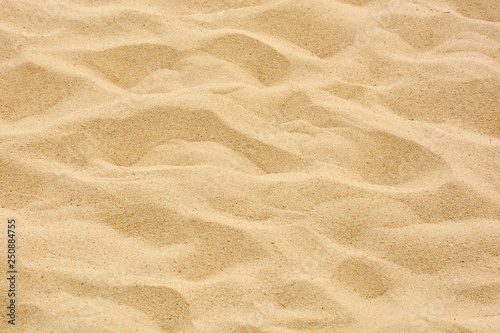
(252, 166)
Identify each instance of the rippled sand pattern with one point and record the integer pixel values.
(252, 166)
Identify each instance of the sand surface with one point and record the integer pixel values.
(251, 166)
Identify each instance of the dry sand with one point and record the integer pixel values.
(251, 166)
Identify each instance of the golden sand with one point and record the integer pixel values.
(251, 166)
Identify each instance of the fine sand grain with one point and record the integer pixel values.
(251, 166)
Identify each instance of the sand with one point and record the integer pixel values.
(251, 166)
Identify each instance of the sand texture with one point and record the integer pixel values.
(251, 166)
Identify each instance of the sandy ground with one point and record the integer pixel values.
(251, 166)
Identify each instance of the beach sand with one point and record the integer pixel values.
(251, 166)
